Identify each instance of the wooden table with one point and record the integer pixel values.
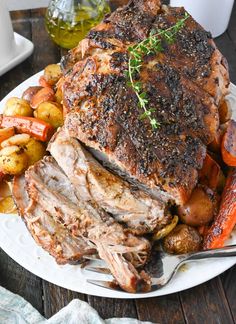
(212, 302)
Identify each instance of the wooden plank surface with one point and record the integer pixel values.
(20, 281)
(212, 302)
(164, 309)
(206, 303)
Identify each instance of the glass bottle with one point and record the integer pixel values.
(68, 21)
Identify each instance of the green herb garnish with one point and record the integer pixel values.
(150, 45)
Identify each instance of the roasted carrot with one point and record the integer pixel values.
(45, 94)
(44, 83)
(29, 125)
(225, 112)
(203, 230)
(215, 145)
(211, 174)
(225, 221)
(228, 145)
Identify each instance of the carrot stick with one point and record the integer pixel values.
(29, 125)
(203, 230)
(43, 82)
(45, 94)
(228, 145)
(211, 174)
(225, 221)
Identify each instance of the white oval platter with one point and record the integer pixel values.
(16, 241)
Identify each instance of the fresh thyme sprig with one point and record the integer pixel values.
(150, 45)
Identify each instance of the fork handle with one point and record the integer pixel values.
(228, 251)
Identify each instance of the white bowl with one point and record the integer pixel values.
(8, 44)
(213, 15)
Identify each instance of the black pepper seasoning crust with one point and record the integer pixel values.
(173, 81)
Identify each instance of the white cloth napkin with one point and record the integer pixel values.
(15, 310)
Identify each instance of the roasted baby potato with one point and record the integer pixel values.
(58, 96)
(200, 208)
(5, 133)
(16, 106)
(183, 239)
(35, 151)
(51, 113)
(30, 92)
(18, 140)
(52, 74)
(7, 206)
(13, 160)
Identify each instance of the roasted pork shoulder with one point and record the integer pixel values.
(139, 212)
(69, 228)
(48, 233)
(185, 84)
(112, 179)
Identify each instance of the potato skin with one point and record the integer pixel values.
(17, 106)
(58, 96)
(35, 151)
(183, 239)
(52, 74)
(200, 208)
(51, 113)
(13, 160)
(30, 92)
(18, 140)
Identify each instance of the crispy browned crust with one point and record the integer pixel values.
(184, 84)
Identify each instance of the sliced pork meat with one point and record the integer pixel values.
(137, 210)
(49, 187)
(123, 271)
(184, 83)
(49, 234)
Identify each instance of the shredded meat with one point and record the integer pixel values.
(127, 204)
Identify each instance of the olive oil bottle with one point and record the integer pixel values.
(68, 21)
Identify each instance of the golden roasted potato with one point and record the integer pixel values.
(200, 208)
(58, 96)
(17, 106)
(13, 160)
(5, 189)
(183, 239)
(30, 92)
(50, 112)
(52, 73)
(18, 139)
(35, 150)
(5, 133)
(7, 206)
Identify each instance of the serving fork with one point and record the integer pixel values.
(162, 267)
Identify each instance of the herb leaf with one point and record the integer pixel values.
(150, 45)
